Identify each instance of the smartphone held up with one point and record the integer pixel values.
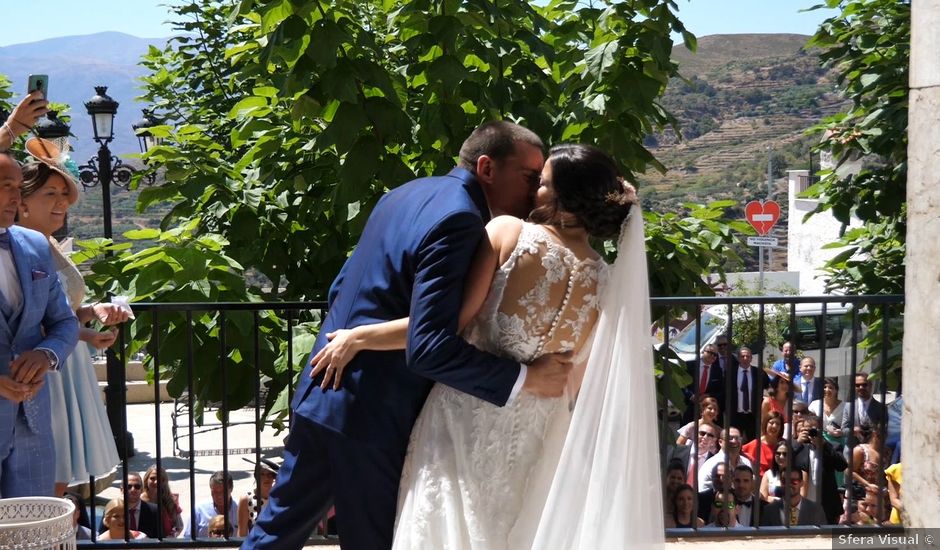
(38, 82)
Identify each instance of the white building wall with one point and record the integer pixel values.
(806, 238)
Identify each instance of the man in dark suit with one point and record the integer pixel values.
(815, 455)
(807, 387)
(801, 511)
(348, 445)
(141, 515)
(862, 411)
(707, 377)
(748, 384)
(726, 357)
(38, 330)
(742, 484)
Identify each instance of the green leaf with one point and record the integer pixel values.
(247, 105)
(600, 58)
(142, 234)
(358, 168)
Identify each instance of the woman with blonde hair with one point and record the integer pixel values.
(114, 521)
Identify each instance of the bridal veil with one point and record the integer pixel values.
(606, 491)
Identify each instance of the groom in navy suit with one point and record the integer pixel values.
(347, 447)
(37, 332)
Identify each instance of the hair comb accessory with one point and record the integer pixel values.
(625, 197)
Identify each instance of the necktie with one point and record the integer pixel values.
(862, 412)
(806, 384)
(703, 382)
(5, 240)
(746, 392)
(745, 503)
(132, 518)
(794, 514)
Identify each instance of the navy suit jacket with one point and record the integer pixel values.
(815, 392)
(411, 261)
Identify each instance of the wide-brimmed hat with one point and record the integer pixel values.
(265, 464)
(49, 154)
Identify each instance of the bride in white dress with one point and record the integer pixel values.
(482, 477)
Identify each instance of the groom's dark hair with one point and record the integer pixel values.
(496, 139)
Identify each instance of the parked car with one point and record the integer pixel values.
(814, 332)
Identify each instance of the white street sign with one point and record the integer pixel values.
(762, 241)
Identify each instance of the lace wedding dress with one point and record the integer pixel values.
(477, 475)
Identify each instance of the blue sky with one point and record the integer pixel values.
(39, 19)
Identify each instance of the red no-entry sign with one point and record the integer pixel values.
(762, 215)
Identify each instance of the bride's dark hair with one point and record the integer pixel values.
(588, 186)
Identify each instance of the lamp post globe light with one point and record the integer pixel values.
(145, 139)
(54, 129)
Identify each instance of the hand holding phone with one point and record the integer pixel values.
(40, 83)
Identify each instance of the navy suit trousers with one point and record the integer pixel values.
(323, 468)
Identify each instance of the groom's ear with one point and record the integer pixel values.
(485, 169)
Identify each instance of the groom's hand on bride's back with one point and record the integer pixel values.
(548, 375)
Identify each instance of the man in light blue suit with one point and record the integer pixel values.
(347, 447)
(37, 332)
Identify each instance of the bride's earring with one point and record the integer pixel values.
(25, 214)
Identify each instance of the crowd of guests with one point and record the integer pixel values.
(150, 509)
(782, 449)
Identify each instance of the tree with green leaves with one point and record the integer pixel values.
(868, 45)
(287, 120)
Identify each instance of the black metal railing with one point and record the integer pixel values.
(845, 335)
(252, 345)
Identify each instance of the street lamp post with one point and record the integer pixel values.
(107, 169)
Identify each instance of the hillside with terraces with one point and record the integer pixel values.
(743, 98)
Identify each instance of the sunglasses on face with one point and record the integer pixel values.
(706, 434)
(781, 454)
(134, 486)
(217, 532)
(865, 385)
